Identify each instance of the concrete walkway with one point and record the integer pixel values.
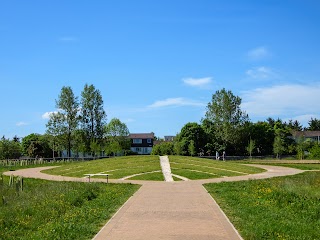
(166, 169)
(168, 210)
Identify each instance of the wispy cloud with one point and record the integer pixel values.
(198, 82)
(261, 73)
(175, 102)
(258, 53)
(46, 115)
(20, 124)
(284, 101)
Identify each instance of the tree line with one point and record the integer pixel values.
(227, 128)
(78, 126)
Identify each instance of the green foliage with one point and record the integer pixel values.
(36, 145)
(116, 134)
(59, 210)
(277, 208)
(314, 124)
(65, 122)
(191, 132)
(192, 149)
(227, 120)
(92, 113)
(315, 152)
(163, 148)
(9, 149)
(251, 146)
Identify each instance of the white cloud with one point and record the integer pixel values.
(259, 53)
(198, 82)
(175, 102)
(128, 120)
(20, 124)
(261, 73)
(284, 101)
(46, 115)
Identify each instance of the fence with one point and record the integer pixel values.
(37, 161)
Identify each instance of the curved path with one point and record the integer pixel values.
(168, 210)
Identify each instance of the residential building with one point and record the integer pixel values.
(141, 143)
(313, 135)
(169, 138)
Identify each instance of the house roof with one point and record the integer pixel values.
(306, 134)
(141, 135)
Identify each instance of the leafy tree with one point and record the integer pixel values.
(314, 124)
(227, 119)
(295, 125)
(192, 132)
(251, 146)
(279, 143)
(315, 152)
(117, 131)
(303, 145)
(36, 145)
(192, 149)
(163, 148)
(263, 135)
(66, 121)
(92, 114)
(9, 149)
(57, 131)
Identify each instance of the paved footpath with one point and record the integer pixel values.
(169, 210)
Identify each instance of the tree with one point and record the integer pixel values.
(36, 145)
(227, 119)
(279, 143)
(192, 132)
(92, 114)
(66, 121)
(117, 131)
(9, 149)
(314, 124)
(56, 130)
(192, 149)
(251, 146)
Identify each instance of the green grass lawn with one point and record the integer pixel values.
(58, 210)
(277, 208)
(156, 176)
(117, 167)
(200, 168)
(302, 166)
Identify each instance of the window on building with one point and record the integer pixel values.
(149, 140)
(137, 140)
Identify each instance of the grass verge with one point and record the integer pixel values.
(200, 168)
(59, 210)
(117, 167)
(278, 208)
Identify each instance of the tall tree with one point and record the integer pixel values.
(68, 119)
(314, 124)
(117, 131)
(227, 118)
(92, 114)
(57, 129)
(192, 131)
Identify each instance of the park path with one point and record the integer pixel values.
(168, 210)
(166, 169)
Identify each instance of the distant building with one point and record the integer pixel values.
(141, 143)
(169, 138)
(313, 135)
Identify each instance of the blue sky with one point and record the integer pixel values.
(157, 63)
